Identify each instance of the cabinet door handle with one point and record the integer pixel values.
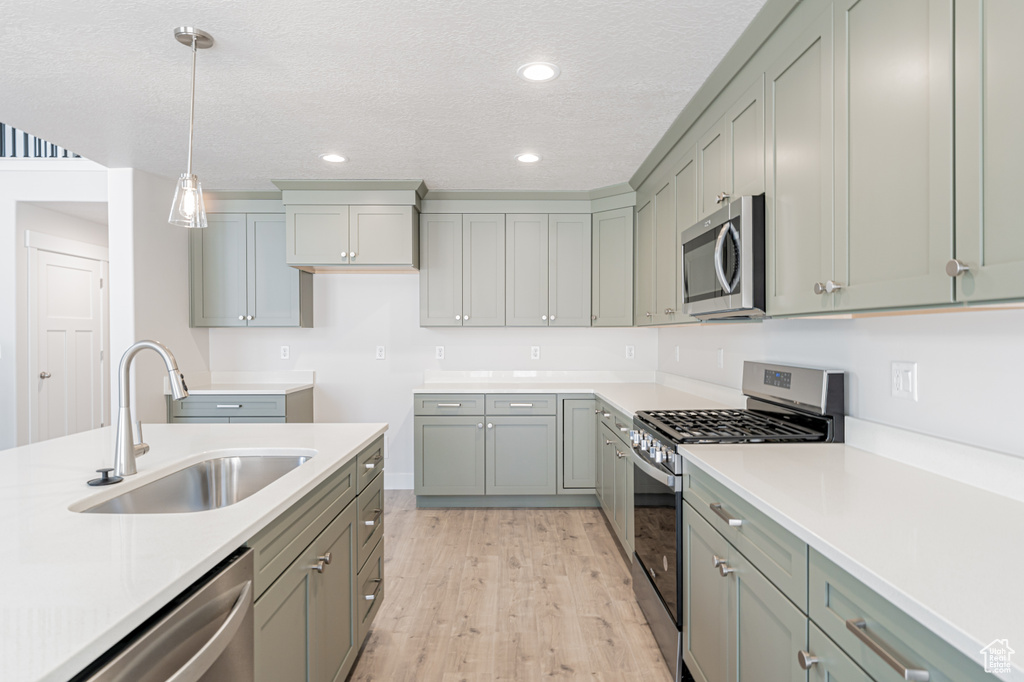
(44, 375)
(724, 515)
(319, 566)
(241, 317)
(860, 628)
(544, 317)
(248, 317)
(956, 267)
(593, 318)
(373, 521)
(480, 425)
(326, 558)
(458, 317)
(607, 442)
(598, 411)
(490, 425)
(819, 288)
(722, 196)
(806, 659)
(371, 597)
(552, 318)
(648, 314)
(229, 407)
(520, 404)
(669, 311)
(352, 255)
(723, 568)
(449, 404)
(466, 317)
(620, 454)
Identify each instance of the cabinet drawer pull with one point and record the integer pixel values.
(449, 404)
(724, 515)
(371, 597)
(373, 521)
(229, 407)
(371, 465)
(860, 629)
(606, 415)
(620, 427)
(806, 659)
(520, 404)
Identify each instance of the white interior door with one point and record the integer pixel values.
(67, 376)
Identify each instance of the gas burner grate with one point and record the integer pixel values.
(728, 426)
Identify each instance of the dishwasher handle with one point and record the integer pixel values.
(196, 667)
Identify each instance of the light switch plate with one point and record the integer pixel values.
(903, 379)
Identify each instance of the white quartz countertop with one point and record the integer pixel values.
(946, 553)
(247, 389)
(75, 584)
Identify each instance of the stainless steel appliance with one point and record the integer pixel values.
(723, 262)
(204, 635)
(784, 405)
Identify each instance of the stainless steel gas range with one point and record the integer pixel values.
(784, 405)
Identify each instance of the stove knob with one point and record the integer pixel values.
(659, 456)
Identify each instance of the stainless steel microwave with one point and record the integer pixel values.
(723, 262)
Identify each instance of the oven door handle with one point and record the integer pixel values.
(727, 229)
(672, 481)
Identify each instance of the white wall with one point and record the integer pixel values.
(353, 313)
(149, 287)
(970, 364)
(29, 181)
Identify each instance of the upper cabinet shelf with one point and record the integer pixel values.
(332, 237)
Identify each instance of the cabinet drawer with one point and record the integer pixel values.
(229, 406)
(277, 545)
(436, 405)
(369, 463)
(839, 603)
(517, 405)
(370, 590)
(616, 421)
(370, 519)
(776, 552)
(832, 664)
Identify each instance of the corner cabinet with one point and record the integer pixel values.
(238, 276)
(357, 237)
(315, 597)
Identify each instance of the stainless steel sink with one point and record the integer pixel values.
(209, 484)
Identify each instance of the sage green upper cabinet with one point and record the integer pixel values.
(612, 284)
(730, 155)
(239, 277)
(569, 262)
(799, 240)
(894, 153)
(547, 270)
(989, 149)
(645, 264)
(686, 217)
(334, 235)
(666, 256)
(462, 273)
(483, 270)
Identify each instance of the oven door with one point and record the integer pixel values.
(657, 530)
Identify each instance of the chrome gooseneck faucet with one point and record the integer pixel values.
(127, 449)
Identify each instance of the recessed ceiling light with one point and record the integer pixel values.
(333, 158)
(538, 72)
(527, 158)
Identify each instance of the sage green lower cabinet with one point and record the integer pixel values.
(616, 485)
(520, 456)
(305, 622)
(706, 622)
(449, 453)
(612, 269)
(579, 433)
(292, 408)
(830, 663)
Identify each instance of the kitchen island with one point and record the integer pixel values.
(75, 584)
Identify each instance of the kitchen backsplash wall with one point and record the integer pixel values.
(970, 366)
(355, 313)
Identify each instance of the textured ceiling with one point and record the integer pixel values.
(407, 89)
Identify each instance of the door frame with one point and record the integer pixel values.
(40, 241)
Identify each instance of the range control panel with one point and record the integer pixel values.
(778, 379)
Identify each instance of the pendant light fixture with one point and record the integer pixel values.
(187, 209)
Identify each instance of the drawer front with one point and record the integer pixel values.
(229, 406)
(369, 463)
(616, 422)
(277, 545)
(370, 590)
(370, 520)
(519, 405)
(776, 552)
(439, 405)
(878, 636)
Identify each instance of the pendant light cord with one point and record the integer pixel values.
(192, 105)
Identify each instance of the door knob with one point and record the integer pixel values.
(832, 287)
(722, 196)
(44, 375)
(806, 659)
(326, 558)
(490, 426)
(352, 254)
(466, 317)
(648, 314)
(480, 425)
(669, 311)
(552, 318)
(458, 317)
(544, 317)
(956, 267)
(248, 317)
(241, 317)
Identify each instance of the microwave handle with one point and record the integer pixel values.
(727, 286)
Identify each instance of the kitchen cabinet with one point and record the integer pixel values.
(547, 270)
(616, 477)
(612, 269)
(989, 145)
(579, 444)
(730, 155)
(520, 455)
(799, 230)
(462, 273)
(294, 407)
(646, 256)
(828, 663)
(893, 153)
(238, 275)
(449, 455)
(686, 217)
(335, 235)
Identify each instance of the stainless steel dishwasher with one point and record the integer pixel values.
(204, 635)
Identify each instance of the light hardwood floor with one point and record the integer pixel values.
(505, 594)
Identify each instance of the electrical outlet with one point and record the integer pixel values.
(721, 358)
(903, 379)
(380, 353)
(535, 352)
(285, 352)
(439, 352)
(630, 352)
